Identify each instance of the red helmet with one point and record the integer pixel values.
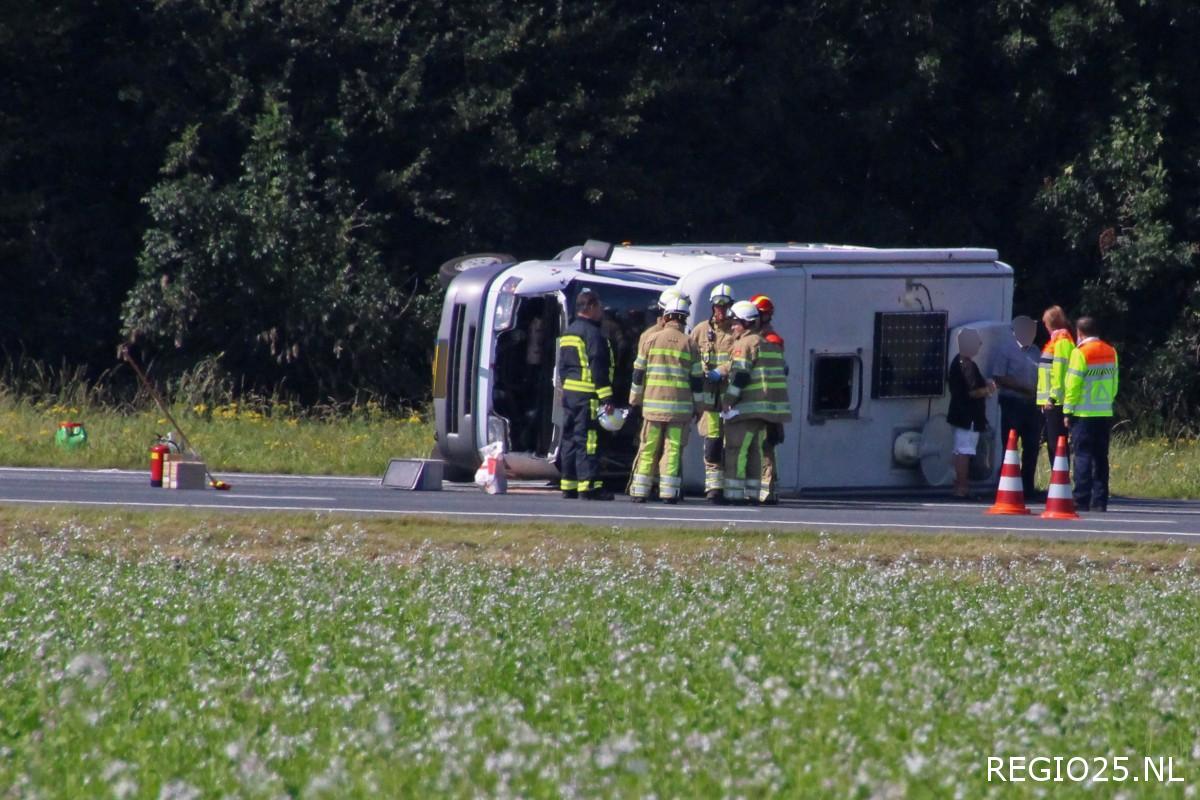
(763, 304)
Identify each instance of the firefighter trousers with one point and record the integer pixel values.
(661, 447)
(580, 442)
(710, 427)
(743, 458)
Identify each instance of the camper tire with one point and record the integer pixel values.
(450, 270)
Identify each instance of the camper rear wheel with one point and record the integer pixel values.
(450, 270)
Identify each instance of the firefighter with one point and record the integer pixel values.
(584, 368)
(714, 339)
(775, 370)
(667, 296)
(668, 383)
(1052, 375)
(1091, 386)
(752, 400)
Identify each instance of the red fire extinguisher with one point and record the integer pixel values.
(158, 452)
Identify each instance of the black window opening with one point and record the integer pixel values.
(910, 354)
(836, 386)
(468, 376)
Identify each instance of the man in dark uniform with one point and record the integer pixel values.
(584, 367)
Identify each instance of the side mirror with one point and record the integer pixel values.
(594, 250)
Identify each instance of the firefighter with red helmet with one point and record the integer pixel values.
(772, 344)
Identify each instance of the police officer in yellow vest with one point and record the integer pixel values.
(755, 398)
(584, 368)
(1052, 376)
(714, 339)
(1091, 387)
(668, 383)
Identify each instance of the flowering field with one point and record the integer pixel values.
(151, 656)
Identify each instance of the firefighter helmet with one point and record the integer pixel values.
(667, 296)
(721, 295)
(679, 304)
(744, 311)
(764, 304)
(612, 422)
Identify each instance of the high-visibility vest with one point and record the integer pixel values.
(758, 380)
(1091, 380)
(1052, 368)
(668, 378)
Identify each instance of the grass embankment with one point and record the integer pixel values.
(357, 441)
(152, 655)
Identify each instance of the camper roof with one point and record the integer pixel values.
(678, 260)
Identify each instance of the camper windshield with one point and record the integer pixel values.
(628, 310)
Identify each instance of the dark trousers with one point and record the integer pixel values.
(1054, 427)
(580, 440)
(1023, 416)
(1089, 447)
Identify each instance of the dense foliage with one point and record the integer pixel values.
(277, 180)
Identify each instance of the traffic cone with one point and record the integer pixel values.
(1059, 502)
(1010, 494)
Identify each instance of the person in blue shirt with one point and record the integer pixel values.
(1014, 369)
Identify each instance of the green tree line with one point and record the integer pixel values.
(276, 181)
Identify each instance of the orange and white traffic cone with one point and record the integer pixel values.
(1060, 504)
(1010, 494)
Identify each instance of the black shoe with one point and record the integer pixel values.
(742, 502)
(638, 499)
(598, 494)
(671, 500)
(570, 494)
(717, 499)
(771, 501)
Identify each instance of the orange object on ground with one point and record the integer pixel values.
(1060, 504)
(1010, 494)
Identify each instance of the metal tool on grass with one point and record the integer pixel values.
(162, 406)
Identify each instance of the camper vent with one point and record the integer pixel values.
(910, 354)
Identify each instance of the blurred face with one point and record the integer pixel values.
(969, 344)
(1024, 330)
(720, 312)
(738, 326)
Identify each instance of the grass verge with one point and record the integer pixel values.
(231, 439)
(181, 656)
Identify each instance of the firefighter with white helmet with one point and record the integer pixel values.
(714, 339)
(668, 383)
(754, 397)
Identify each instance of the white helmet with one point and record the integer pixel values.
(679, 304)
(745, 311)
(721, 295)
(667, 296)
(612, 422)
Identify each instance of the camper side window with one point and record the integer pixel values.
(836, 386)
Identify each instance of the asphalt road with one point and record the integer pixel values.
(1126, 518)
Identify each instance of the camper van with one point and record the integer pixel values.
(869, 335)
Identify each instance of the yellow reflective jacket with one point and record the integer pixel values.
(1091, 380)
(758, 380)
(1052, 368)
(668, 379)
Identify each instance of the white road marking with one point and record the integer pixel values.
(613, 518)
(241, 496)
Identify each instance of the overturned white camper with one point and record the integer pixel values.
(869, 334)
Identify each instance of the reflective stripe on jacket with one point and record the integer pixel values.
(1052, 368)
(585, 359)
(1091, 380)
(758, 380)
(668, 378)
